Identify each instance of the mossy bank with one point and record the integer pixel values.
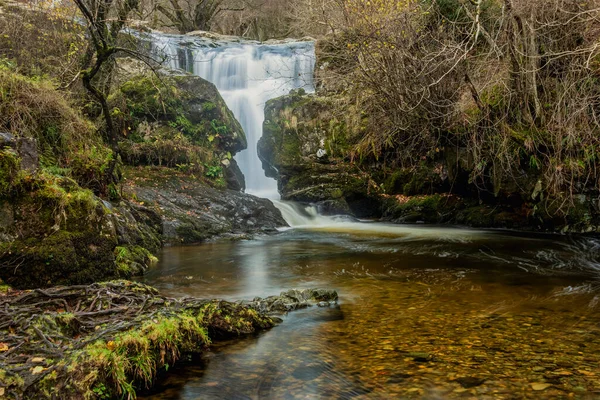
(64, 221)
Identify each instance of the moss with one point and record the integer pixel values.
(137, 355)
(429, 209)
(67, 141)
(4, 288)
(10, 165)
(189, 233)
(133, 260)
(10, 381)
(61, 258)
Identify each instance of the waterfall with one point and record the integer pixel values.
(247, 74)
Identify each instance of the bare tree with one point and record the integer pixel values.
(105, 20)
(193, 15)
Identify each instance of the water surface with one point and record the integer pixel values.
(424, 312)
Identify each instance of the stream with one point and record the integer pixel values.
(424, 312)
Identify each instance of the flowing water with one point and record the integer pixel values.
(424, 312)
(247, 74)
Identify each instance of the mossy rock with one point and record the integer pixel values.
(61, 258)
(187, 103)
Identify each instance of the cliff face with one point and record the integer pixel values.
(308, 146)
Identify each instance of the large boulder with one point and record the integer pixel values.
(59, 233)
(177, 120)
(303, 146)
(193, 212)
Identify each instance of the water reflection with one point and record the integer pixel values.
(458, 314)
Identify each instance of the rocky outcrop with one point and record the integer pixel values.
(193, 212)
(307, 145)
(294, 299)
(178, 120)
(304, 145)
(62, 234)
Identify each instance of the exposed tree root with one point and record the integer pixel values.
(108, 340)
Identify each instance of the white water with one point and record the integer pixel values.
(247, 74)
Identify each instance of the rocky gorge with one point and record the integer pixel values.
(146, 225)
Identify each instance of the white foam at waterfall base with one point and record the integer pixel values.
(247, 74)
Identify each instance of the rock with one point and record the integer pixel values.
(25, 147)
(87, 243)
(293, 299)
(188, 104)
(301, 146)
(28, 151)
(234, 176)
(420, 357)
(470, 381)
(192, 212)
(7, 140)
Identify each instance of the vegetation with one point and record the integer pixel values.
(107, 340)
(514, 83)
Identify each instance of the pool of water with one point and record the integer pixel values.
(424, 312)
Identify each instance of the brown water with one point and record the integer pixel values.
(423, 313)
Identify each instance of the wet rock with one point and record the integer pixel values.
(234, 176)
(540, 386)
(302, 147)
(470, 381)
(294, 299)
(420, 357)
(193, 212)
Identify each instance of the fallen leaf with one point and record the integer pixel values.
(3, 347)
(38, 370)
(37, 359)
(540, 386)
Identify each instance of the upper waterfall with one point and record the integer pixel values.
(247, 74)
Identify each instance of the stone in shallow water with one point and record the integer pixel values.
(470, 381)
(294, 299)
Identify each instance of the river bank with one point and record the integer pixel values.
(112, 339)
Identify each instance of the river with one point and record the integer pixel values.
(424, 312)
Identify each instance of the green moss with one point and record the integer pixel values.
(4, 288)
(10, 165)
(149, 99)
(61, 258)
(10, 381)
(135, 356)
(132, 260)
